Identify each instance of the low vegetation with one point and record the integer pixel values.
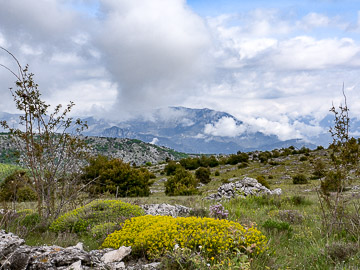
(313, 224)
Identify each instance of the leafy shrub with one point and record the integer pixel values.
(154, 235)
(100, 231)
(319, 168)
(271, 224)
(203, 175)
(171, 167)
(218, 211)
(190, 163)
(17, 187)
(303, 158)
(299, 179)
(181, 183)
(264, 156)
(115, 176)
(208, 161)
(239, 157)
(261, 179)
(332, 183)
(340, 251)
(26, 194)
(94, 213)
(243, 165)
(217, 173)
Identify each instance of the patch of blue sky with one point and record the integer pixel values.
(328, 7)
(89, 7)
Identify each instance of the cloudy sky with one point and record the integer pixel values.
(275, 65)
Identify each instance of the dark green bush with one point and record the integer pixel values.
(26, 194)
(319, 169)
(332, 183)
(190, 163)
(243, 165)
(264, 156)
(171, 167)
(303, 158)
(239, 157)
(17, 187)
(203, 175)
(300, 179)
(217, 173)
(115, 176)
(181, 183)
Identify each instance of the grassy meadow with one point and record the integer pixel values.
(291, 222)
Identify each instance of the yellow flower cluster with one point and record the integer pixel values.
(154, 235)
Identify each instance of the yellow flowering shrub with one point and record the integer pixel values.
(154, 235)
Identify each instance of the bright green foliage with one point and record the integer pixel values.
(113, 175)
(6, 170)
(17, 187)
(94, 213)
(181, 183)
(154, 235)
(203, 175)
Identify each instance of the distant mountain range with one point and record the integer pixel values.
(198, 131)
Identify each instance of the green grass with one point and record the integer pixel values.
(305, 246)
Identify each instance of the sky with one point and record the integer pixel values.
(278, 66)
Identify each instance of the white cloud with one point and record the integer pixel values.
(226, 126)
(153, 49)
(154, 141)
(313, 20)
(269, 68)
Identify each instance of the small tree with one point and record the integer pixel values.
(203, 175)
(116, 177)
(344, 158)
(52, 156)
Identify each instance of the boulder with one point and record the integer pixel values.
(165, 210)
(242, 188)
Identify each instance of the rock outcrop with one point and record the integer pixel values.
(15, 255)
(165, 209)
(242, 188)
